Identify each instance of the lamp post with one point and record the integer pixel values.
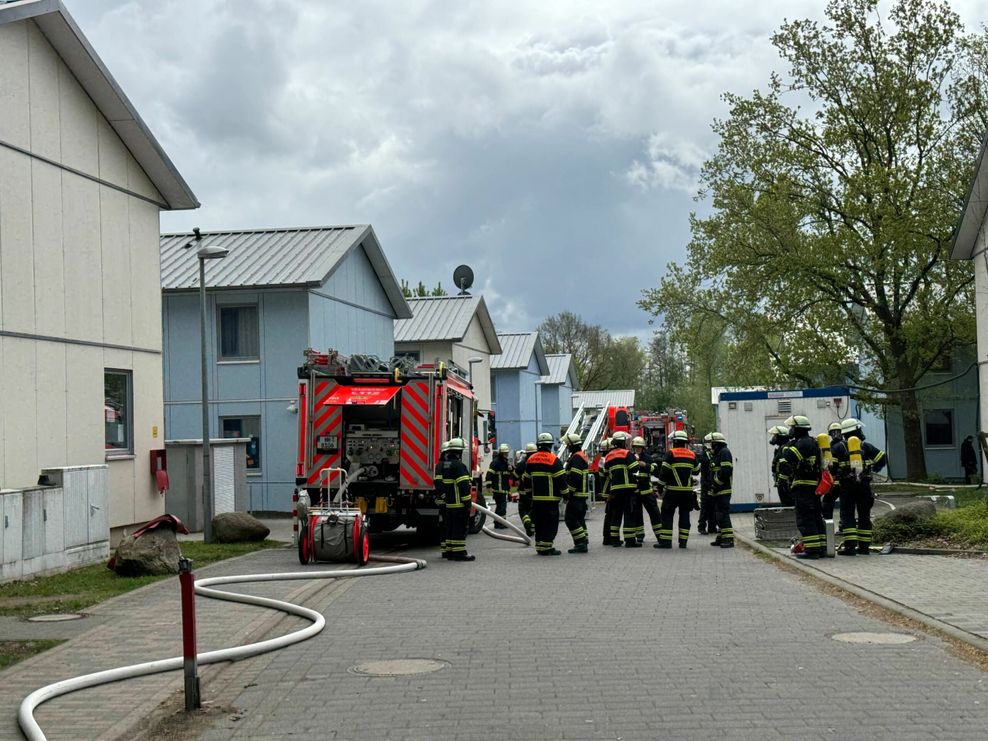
(208, 252)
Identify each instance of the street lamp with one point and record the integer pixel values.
(208, 252)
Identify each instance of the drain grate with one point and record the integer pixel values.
(60, 617)
(877, 639)
(398, 667)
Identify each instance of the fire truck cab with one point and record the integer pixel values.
(383, 423)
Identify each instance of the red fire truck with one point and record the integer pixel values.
(384, 425)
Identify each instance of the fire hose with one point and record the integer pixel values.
(206, 588)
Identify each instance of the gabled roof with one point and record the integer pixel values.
(561, 370)
(446, 319)
(975, 208)
(597, 399)
(516, 352)
(305, 256)
(71, 45)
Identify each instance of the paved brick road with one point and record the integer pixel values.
(644, 644)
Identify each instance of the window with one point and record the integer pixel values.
(939, 426)
(117, 411)
(238, 336)
(249, 427)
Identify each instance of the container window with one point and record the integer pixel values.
(249, 427)
(118, 420)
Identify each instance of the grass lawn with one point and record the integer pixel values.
(78, 589)
(13, 651)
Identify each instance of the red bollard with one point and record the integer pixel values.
(187, 581)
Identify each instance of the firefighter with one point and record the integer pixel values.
(437, 482)
(708, 519)
(679, 466)
(645, 497)
(525, 492)
(853, 471)
(831, 497)
(619, 468)
(800, 464)
(577, 471)
(780, 439)
(721, 479)
(498, 480)
(601, 474)
(456, 492)
(546, 483)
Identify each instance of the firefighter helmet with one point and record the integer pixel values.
(619, 439)
(455, 443)
(834, 427)
(717, 437)
(573, 438)
(530, 448)
(638, 442)
(544, 438)
(605, 445)
(503, 448)
(799, 422)
(680, 436)
(444, 447)
(708, 437)
(850, 425)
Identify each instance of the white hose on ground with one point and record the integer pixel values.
(522, 535)
(25, 713)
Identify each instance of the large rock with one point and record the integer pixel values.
(238, 527)
(911, 512)
(154, 552)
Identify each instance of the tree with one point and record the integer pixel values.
(624, 364)
(588, 344)
(833, 194)
(420, 291)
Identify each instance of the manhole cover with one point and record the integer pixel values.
(398, 667)
(884, 639)
(56, 618)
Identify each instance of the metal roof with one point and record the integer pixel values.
(516, 352)
(446, 318)
(68, 41)
(304, 256)
(560, 369)
(599, 399)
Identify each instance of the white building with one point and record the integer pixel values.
(82, 182)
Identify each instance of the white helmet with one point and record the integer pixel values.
(799, 422)
(680, 436)
(605, 445)
(834, 427)
(455, 443)
(573, 438)
(638, 442)
(503, 448)
(717, 437)
(544, 438)
(530, 447)
(850, 425)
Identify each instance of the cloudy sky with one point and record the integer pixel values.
(551, 145)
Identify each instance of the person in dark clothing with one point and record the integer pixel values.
(619, 469)
(645, 496)
(577, 470)
(679, 466)
(498, 480)
(456, 493)
(969, 461)
(854, 462)
(780, 439)
(603, 449)
(544, 475)
(437, 482)
(829, 500)
(708, 520)
(525, 492)
(800, 464)
(722, 481)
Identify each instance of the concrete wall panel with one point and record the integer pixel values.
(78, 125)
(51, 390)
(16, 242)
(15, 109)
(145, 273)
(83, 257)
(20, 422)
(44, 102)
(138, 182)
(49, 268)
(113, 155)
(84, 405)
(115, 251)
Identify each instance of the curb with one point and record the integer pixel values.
(958, 634)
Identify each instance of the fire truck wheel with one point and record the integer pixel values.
(361, 543)
(303, 544)
(477, 520)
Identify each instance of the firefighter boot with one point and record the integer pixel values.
(579, 548)
(461, 556)
(848, 548)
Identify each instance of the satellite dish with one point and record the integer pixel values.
(463, 279)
